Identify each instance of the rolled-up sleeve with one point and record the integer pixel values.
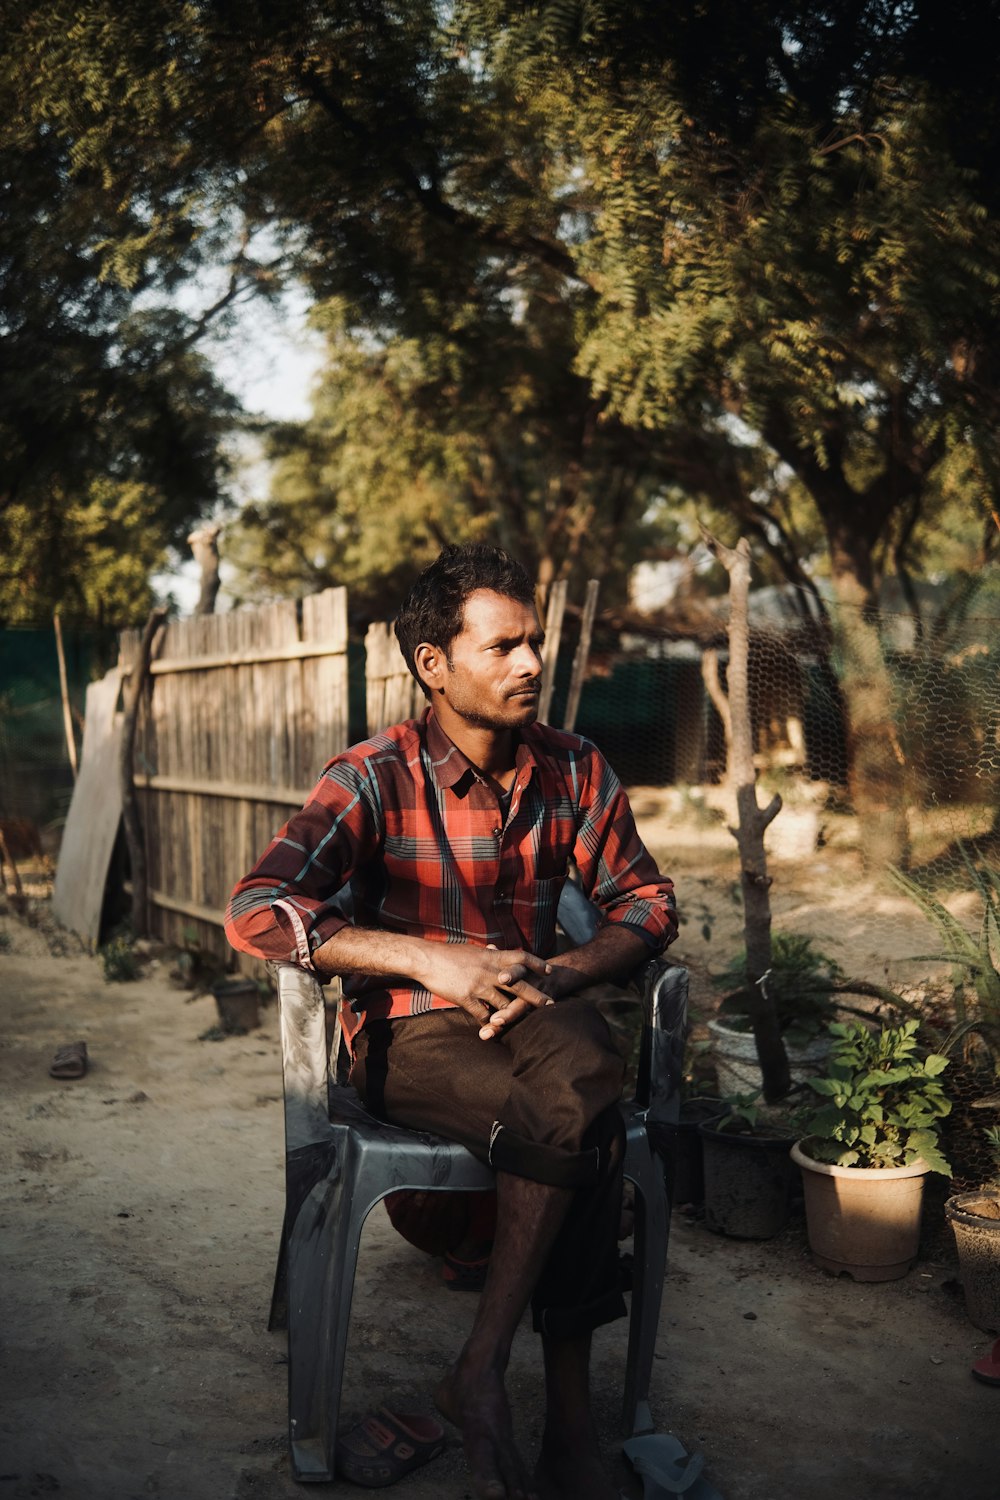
(290, 902)
(616, 870)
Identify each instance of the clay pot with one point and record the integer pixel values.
(862, 1220)
(975, 1219)
(748, 1182)
(238, 1003)
(738, 1070)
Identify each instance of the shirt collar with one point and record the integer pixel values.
(451, 767)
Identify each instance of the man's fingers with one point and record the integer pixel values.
(514, 1006)
(523, 969)
(536, 965)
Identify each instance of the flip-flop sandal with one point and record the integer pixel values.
(385, 1445)
(667, 1468)
(987, 1369)
(70, 1061)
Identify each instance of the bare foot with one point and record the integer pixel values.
(477, 1405)
(573, 1471)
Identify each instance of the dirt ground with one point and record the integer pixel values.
(139, 1225)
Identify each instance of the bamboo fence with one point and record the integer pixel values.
(240, 712)
(391, 693)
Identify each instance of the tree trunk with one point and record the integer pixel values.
(204, 543)
(752, 820)
(876, 767)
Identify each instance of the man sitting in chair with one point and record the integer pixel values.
(456, 831)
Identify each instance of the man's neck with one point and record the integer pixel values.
(491, 751)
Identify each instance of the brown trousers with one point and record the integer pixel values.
(540, 1102)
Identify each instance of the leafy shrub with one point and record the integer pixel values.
(881, 1100)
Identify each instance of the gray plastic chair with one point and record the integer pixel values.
(340, 1161)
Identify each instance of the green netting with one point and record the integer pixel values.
(35, 774)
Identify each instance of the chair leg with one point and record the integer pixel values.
(644, 1169)
(322, 1259)
(277, 1318)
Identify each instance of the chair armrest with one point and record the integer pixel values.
(304, 1058)
(664, 988)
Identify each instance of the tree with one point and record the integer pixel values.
(761, 237)
(111, 422)
(398, 459)
(795, 257)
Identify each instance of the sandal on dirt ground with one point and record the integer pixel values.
(987, 1369)
(70, 1061)
(386, 1445)
(667, 1468)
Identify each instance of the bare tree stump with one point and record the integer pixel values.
(752, 819)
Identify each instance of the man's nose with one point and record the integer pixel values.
(528, 661)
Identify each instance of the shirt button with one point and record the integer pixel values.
(497, 832)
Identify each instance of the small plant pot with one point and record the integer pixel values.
(975, 1219)
(238, 1004)
(748, 1182)
(737, 1067)
(862, 1220)
(683, 1143)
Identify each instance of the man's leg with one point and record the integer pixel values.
(539, 1105)
(472, 1394)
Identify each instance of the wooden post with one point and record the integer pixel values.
(131, 821)
(752, 820)
(64, 690)
(553, 630)
(582, 653)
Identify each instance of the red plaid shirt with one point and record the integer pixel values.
(416, 831)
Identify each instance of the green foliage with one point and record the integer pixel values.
(881, 1102)
(110, 422)
(394, 462)
(975, 958)
(120, 961)
(801, 982)
(749, 1114)
(741, 1114)
(594, 273)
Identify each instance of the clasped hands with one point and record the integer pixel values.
(497, 987)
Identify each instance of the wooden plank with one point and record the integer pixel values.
(391, 690)
(553, 630)
(242, 791)
(582, 653)
(215, 916)
(94, 815)
(164, 666)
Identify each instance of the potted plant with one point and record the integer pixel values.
(867, 1146)
(975, 1220)
(748, 1172)
(801, 983)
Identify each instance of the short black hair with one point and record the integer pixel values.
(433, 609)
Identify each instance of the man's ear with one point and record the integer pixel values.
(432, 665)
